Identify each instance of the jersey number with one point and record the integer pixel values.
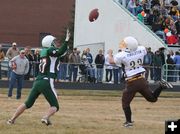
(135, 65)
(42, 65)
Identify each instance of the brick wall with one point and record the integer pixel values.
(23, 20)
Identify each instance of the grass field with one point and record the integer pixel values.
(90, 112)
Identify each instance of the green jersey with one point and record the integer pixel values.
(49, 61)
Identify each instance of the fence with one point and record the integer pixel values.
(168, 72)
(82, 74)
(171, 72)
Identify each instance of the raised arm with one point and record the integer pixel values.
(64, 47)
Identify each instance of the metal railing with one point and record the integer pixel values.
(171, 72)
(168, 72)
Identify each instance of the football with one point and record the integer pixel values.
(14, 66)
(93, 15)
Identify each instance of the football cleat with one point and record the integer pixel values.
(164, 84)
(10, 122)
(46, 121)
(128, 124)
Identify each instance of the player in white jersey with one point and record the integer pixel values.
(131, 57)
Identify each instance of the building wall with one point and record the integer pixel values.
(22, 21)
(113, 24)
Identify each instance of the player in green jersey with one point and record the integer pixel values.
(44, 83)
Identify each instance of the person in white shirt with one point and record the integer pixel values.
(131, 57)
(20, 66)
(109, 66)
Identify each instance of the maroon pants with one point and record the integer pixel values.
(140, 85)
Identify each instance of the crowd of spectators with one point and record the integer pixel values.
(13, 51)
(98, 69)
(161, 16)
(77, 66)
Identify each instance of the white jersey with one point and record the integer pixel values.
(132, 61)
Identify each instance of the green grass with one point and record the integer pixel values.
(113, 93)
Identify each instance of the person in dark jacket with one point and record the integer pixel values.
(157, 60)
(99, 61)
(170, 68)
(36, 56)
(30, 58)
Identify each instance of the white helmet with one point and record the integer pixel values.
(131, 43)
(47, 41)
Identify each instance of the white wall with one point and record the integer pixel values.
(113, 24)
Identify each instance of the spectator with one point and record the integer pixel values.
(91, 69)
(62, 73)
(157, 60)
(141, 16)
(20, 67)
(109, 66)
(78, 58)
(170, 68)
(177, 24)
(152, 64)
(30, 58)
(159, 16)
(84, 65)
(124, 2)
(2, 55)
(172, 55)
(174, 12)
(11, 53)
(116, 74)
(177, 63)
(174, 2)
(87, 67)
(132, 7)
(151, 18)
(162, 55)
(157, 28)
(99, 60)
(73, 65)
(147, 62)
(89, 56)
(172, 27)
(36, 57)
(155, 3)
(171, 39)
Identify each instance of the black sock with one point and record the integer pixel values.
(127, 112)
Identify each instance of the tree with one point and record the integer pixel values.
(71, 29)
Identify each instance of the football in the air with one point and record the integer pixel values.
(93, 15)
